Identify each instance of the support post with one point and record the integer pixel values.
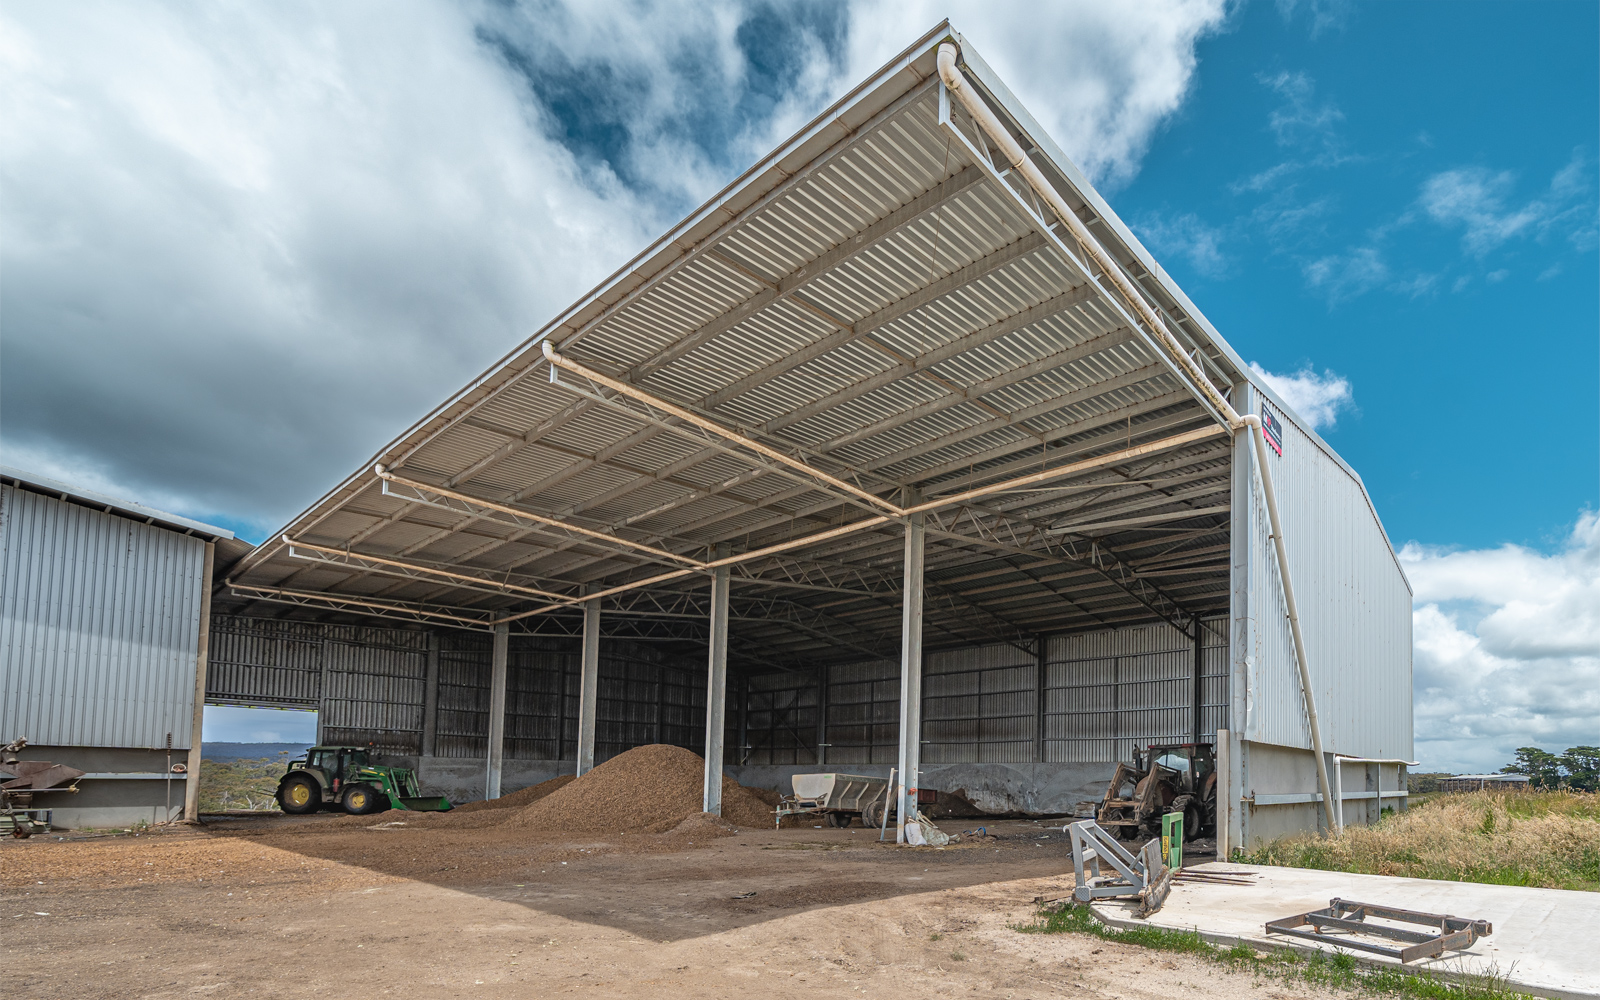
(588, 684)
(744, 719)
(716, 686)
(202, 656)
(1227, 802)
(430, 700)
(1040, 684)
(822, 716)
(1199, 679)
(910, 673)
(497, 712)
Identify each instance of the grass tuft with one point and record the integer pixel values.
(1545, 839)
(1339, 970)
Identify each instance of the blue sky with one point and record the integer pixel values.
(244, 246)
(1408, 200)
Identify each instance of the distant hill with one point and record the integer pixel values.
(251, 751)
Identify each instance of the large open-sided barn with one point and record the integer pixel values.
(901, 451)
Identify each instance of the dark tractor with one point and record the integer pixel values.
(345, 778)
(1172, 778)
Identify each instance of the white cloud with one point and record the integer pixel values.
(1189, 237)
(1101, 78)
(1507, 649)
(1300, 122)
(247, 244)
(1316, 398)
(1474, 198)
(1344, 276)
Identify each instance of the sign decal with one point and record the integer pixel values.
(1272, 430)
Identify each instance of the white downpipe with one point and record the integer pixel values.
(1253, 425)
(956, 83)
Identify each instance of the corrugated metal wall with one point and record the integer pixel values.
(980, 705)
(1355, 609)
(369, 684)
(99, 625)
(1109, 692)
(1104, 694)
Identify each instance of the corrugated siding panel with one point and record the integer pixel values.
(979, 705)
(264, 662)
(864, 713)
(373, 689)
(1355, 610)
(99, 625)
(1109, 692)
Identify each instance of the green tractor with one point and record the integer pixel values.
(345, 778)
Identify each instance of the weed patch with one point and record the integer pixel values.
(1548, 839)
(1338, 970)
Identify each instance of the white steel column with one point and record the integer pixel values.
(430, 700)
(497, 712)
(588, 684)
(191, 783)
(716, 689)
(910, 675)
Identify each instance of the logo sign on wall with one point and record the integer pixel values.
(1272, 430)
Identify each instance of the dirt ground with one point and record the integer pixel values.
(327, 906)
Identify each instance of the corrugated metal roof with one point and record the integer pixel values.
(877, 300)
(110, 504)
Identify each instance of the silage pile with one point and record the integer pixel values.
(649, 789)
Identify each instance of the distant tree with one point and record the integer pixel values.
(1582, 765)
(1542, 767)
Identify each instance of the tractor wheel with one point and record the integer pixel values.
(359, 800)
(838, 820)
(299, 794)
(1187, 805)
(872, 815)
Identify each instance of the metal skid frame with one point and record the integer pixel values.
(1146, 876)
(1346, 917)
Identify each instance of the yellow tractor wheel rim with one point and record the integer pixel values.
(299, 795)
(358, 800)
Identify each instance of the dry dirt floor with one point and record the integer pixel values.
(353, 907)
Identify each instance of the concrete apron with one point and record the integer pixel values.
(1543, 940)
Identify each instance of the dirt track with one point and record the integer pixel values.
(331, 907)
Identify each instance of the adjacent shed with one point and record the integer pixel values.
(104, 606)
(901, 451)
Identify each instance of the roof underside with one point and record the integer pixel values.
(881, 302)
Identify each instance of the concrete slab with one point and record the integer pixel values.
(1544, 940)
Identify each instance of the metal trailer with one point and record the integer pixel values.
(839, 797)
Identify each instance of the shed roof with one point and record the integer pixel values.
(112, 505)
(877, 315)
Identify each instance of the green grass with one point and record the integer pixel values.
(1339, 970)
(1545, 839)
(239, 784)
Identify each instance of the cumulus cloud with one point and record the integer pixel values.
(1507, 649)
(1317, 398)
(247, 244)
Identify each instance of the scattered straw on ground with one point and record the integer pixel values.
(1551, 840)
